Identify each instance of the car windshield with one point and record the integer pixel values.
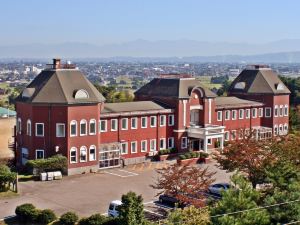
(111, 206)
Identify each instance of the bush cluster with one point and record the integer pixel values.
(97, 219)
(167, 151)
(191, 155)
(29, 213)
(57, 162)
(6, 177)
(69, 218)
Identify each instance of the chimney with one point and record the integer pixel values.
(56, 63)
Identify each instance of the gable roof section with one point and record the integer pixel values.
(258, 81)
(172, 87)
(60, 86)
(234, 102)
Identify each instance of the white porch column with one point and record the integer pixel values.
(205, 144)
(222, 143)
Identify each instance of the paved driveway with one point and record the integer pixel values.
(90, 193)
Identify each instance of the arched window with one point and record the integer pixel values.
(73, 155)
(81, 94)
(83, 154)
(19, 125)
(73, 128)
(28, 127)
(83, 128)
(92, 155)
(92, 127)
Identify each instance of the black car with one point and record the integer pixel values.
(170, 201)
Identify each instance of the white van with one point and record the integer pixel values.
(113, 208)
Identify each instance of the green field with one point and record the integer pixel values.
(205, 80)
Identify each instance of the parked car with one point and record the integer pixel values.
(170, 201)
(113, 208)
(217, 188)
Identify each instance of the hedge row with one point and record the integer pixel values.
(167, 151)
(191, 155)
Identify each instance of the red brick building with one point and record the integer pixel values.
(62, 112)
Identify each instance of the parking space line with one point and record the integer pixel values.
(164, 206)
(129, 172)
(158, 214)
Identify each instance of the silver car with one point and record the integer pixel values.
(217, 188)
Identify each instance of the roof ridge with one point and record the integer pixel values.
(61, 87)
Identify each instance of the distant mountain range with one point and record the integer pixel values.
(166, 50)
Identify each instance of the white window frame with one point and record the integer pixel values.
(83, 121)
(73, 149)
(171, 120)
(155, 121)
(234, 114)
(276, 111)
(209, 141)
(164, 143)
(153, 148)
(145, 142)
(172, 141)
(227, 136)
(261, 112)
(136, 147)
(64, 129)
(248, 114)
(268, 109)
(19, 125)
(136, 123)
(254, 112)
(39, 150)
(233, 137)
(162, 120)
(285, 128)
(241, 114)
(126, 148)
(116, 125)
(286, 110)
(103, 129)
(73, 122)
(219, 115)
(280, 129)
(95, 156)
(227, 115)
(276, 131)
(40, 135)
(124, 128)
(144, 118)
(83, 148)
(184, 142)
(93, 121)
(281, 112)
(28, 127)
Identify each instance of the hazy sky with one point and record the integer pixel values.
(115, 21)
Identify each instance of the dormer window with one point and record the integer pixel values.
(279, 86)
(240, 85)
(81, 94)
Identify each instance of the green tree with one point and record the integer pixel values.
(6, 177)
(241, 198)
(189, 216)
(131, 210)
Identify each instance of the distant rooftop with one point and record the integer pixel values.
(57, 64)
(176, 76)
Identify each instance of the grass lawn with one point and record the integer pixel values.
(8, 194)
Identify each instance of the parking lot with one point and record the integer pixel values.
(91, 193)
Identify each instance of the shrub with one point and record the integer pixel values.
(46, 216)
(173, 150)
(26, 213)
(69, 218)
(182, 157)
(194, 154)
(203, 155)
(95, 219)
(188, 155)
(6, 177)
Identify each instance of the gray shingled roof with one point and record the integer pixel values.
(172, 87)
(131, 107)
(259, 81)
(234, 102)
(59, 86)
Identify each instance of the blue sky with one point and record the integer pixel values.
(116, 21)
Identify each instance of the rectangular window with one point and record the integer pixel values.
(83, 154)
(114, 125)
(153, 121)
(261, 112)
(124, 148)
(233, 134)
(28, 130)
(73, 155)
(254, 112)
(73, 128)
(184, 142)
(276, 110)
(209, 141)
(153, 145)
(83, 129)
(92, 155)
(162, 144)
(103, 125)
(241, 114)
(275, 130)
(162, 120)
(171, 120)
(226, 136)
(144, 146)
(60, 130)
(268, 112)
(247, 113)
(19, 125)
(286, 110)
(170, 142)
(281, 111)
(92, 127)
(227, 115)
(134, 123)
(144, 122)
(133, 147)
(234, 114)
(219, 115)
(39, 154)
(39, 129)
(124, 122)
